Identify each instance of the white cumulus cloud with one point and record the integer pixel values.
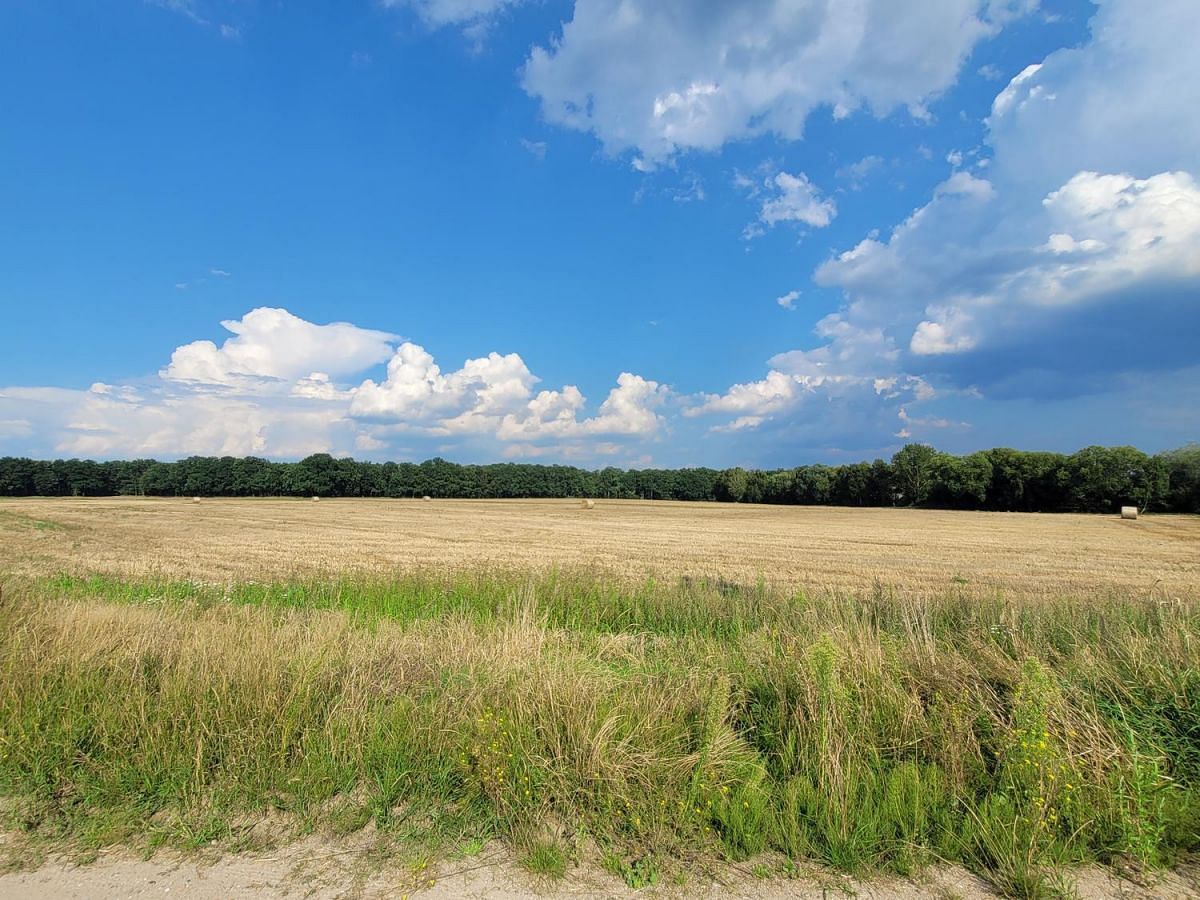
(416, 389)
(796, 199)
(1071, 269)
(279, 388)
(788, 300)
(274, 343)
(659, 76)
(494, 395)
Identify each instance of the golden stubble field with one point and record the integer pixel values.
(818, 548)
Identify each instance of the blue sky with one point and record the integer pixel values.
(630, 232)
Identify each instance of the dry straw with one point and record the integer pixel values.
(845, 549)
(1129, 512)
(587, 504)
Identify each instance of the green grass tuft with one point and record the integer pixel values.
(545, 859)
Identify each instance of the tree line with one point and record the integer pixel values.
(1095, 479)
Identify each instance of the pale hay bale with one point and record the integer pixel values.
(587, 504)
(195, 499)
(426, 499)
(1129, 512)
(316, 499)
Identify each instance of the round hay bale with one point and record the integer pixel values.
(1129, 512)
(195, 499)
(587, 504)
(316, 499)
(426, 499)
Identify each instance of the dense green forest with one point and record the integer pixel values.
(1095, 479)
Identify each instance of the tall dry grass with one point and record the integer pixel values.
(665, 722)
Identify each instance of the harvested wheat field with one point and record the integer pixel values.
(357, 697)
(818, 548)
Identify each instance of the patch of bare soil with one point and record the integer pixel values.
(318, 869)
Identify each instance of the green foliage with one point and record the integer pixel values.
(1183, 478)
(731, 485)
(1026, 481)
(546, 859)
(863, 484)
(1096, 479)
(814, 484)
(961, 482)
(1024, 825)
(664, 721)
(913, 468)
(1106, 478)
(637, 873)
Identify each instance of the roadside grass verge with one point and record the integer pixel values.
(665, 723)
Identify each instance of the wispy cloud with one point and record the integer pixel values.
(856, 174)
(791, 198)
(192, 11)
(788, 300)
(185, 8)
(213, 272)
(537, 149)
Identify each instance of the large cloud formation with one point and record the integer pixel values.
(1070, 269)
(273, 343)
(494, 395)
(279, 387)
(660, 76)
(1067, 267)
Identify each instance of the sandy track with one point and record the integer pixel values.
(317, 871)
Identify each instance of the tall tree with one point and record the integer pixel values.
(731, 485)
(1102, 479)
(1183, 478)
(913, 466)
